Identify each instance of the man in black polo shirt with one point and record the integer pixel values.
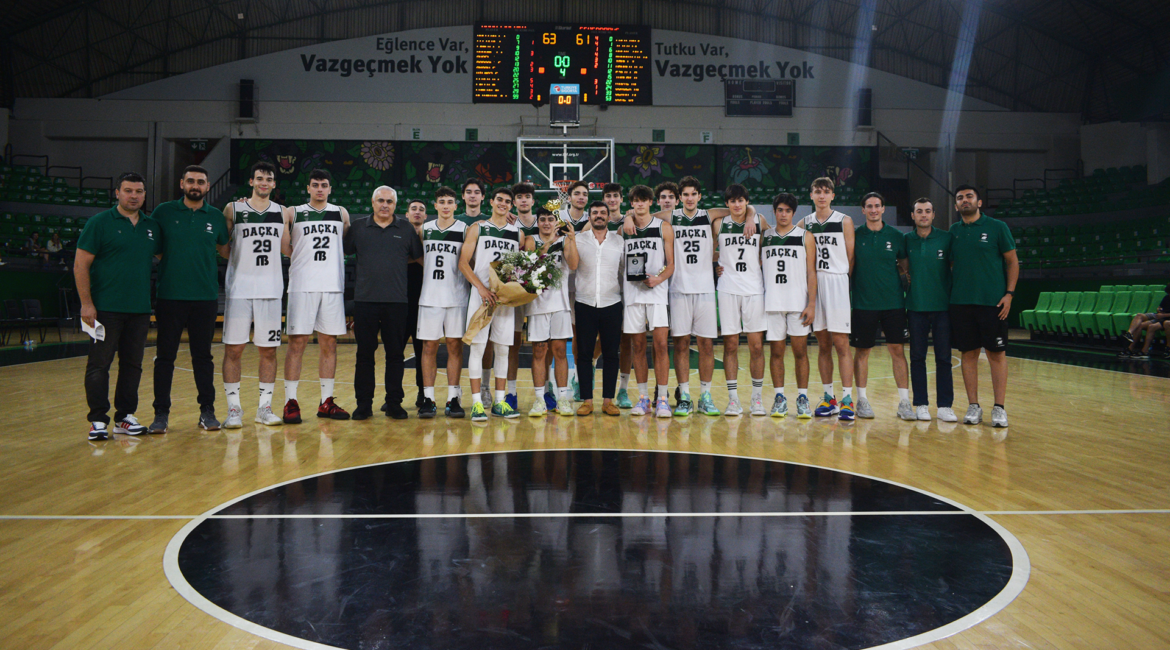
(384, 246)
(416, 212)
(984, 273)
(114, 255)
(188, 294)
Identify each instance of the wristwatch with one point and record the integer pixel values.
(1011, 293)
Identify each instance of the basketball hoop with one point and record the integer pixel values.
(562, 199)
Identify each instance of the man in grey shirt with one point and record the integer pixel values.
(384, 246)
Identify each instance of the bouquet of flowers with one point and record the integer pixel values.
(517, 279)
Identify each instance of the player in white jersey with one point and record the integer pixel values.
(486, 242)
(550, 323)
(576, 213)
(649, 264)
(254, 287)
(790, 297)
(316, 290)
(741, 298)
(525, 220)
(833, 233)
(442, 305)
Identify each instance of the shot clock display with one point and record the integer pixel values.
(519, 63)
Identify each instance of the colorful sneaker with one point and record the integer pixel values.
(207, 420)
(478, 414)
(803, 409)
(329, 409)
(846, 413)
(235, 418)
(999, 417)
(827, 407)
(623, 399)
(906, 411)
(576, 390)
(642, 407)
(97, 431)
(707, 405)
(758, 406)
(864, 410)
(511, 400)
(453, 408)
(565, 407)
(264, 415)
(550, 402)
(129, 426)
(428, 409)
(662, 409)
(780, 406)
(974, 414)
(502, 410)
(922, 412)
(733, 407)
(539, 408)
(684, 407)
(292, 412)
(947, 414)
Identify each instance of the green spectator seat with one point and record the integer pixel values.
(1157, 288)
(1108, 287)
(1063, 322)
(1028, 317)
(1044, 316)
(1086, 317)
(1104, 319)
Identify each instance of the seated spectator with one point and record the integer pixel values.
(56, 248)
(1151, 324)
(33, 246)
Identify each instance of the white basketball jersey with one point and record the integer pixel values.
(646, 241)
(694, 251)
(785, 270)
(253, 269)
(740, 258)
(829, 238)
(318, 262)
(443, 283)
(493, 243)
(553, 300)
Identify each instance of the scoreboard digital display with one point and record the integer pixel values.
(517, 63)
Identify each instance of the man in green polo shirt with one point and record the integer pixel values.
(879, 255)
(928, 250)
(188, 294)
(112, 269)
(984, 272)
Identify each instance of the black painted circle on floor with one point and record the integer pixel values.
(596, 549)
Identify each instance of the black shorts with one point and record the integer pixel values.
(978, 326)
(866, 322)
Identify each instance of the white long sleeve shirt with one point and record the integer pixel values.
(599, 269)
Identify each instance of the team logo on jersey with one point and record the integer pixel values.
(150, 234)
(889, 246)
(983, 237)
(209, 228)
(941, 253)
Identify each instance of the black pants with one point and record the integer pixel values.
(198, 317)
(125, 335)
(937, 323)
(390, 319)
(412, 332)
(591, 322)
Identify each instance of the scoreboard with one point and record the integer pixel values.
(518, 63)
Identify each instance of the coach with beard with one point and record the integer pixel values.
(188, 294)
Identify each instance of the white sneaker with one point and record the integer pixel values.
(905, 410)
(947, 414)
(999, 417)
(129, 426)
(758, 406)
(974, 414)
(264, 415)
(565, 407)
(733, 408)
(538, 409)
(864, 410)
(235, 418)
(922, 412)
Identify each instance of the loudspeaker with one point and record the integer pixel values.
(865, 107)
(247, 99)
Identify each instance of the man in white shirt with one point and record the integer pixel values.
(598, 305)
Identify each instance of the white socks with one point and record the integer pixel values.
(704, 387)
(779, 391)
(326, 389)
(757, 388)
(828, 389)
(511, 386)
(429, 392)
(861, 393)
(642, 390)
(625, 381)
(290, 389)
(903, 393)
(663, 392)
(266, 394)
(733, 390)
(233, 394)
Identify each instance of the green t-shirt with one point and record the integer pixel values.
(977, 251)
(930, 271)
(876, 285)
(119, 279)
(189, 260)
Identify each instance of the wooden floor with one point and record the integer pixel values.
(1081, 478)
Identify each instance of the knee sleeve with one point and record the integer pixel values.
(475, 363)
(501, 361)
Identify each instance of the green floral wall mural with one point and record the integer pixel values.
(348, 160)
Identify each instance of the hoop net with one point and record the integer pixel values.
(563, 190)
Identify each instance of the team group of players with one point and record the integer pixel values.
(682, 271)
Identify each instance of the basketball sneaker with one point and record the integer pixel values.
(565, 407)
(662, 409)
(864, 410)
(999, 417)
(642, 407)
(502, 410)
(292, 412)
(478, 414)
(707, 405)
(539, 408)
(845, 412)
(758, 406)
(453, 408)
(780, 406)
(623, 399)
(684, 407)
(947, 414)
(733, 407)
(510, 398)
(428, 408)
(827, 407)
(329, 409)
(159, 425)
(264, 415)
(974, 414)
(129, 426)
(905, 411)
(922, 413)
(235, 418)
(207, 420)
(97, 431)
(803, 409)
(550, 402)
